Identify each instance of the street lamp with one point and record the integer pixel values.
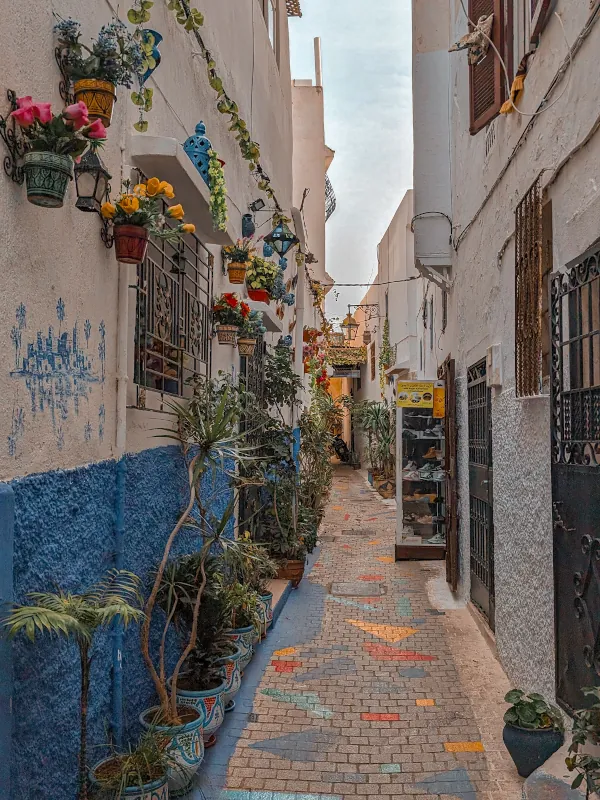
(350, 327)
(282, 239)
(93, 188)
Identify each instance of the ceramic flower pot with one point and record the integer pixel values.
(370, 476)
(99, 97)
(242, 637)
(211, 707)
(227, 334)
(236, 272)
(265, 612)
(131, 243)
(47, 177)
(155, 790)
(529, 749)
(385, 488)
(186, 748)
(246, 346)
(291, 570)
(260, 295)
(230, 666)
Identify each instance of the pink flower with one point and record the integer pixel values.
(24, 115)
(77, 114)
(96, 130)
(42, 111)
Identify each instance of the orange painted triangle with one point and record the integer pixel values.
(389, 633)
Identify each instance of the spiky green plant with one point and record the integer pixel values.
(78, 617)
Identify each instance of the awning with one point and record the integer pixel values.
(346, 356)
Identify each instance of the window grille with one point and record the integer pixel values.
(528, 293)
(330, 199)
(172, 333)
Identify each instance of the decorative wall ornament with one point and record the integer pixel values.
(15, 144)
(197, 148)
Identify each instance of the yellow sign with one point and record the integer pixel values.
(415, 394)
(439, 400)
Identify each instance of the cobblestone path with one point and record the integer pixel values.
(364, 688)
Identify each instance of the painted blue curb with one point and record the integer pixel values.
(278, 608)
(7, 525)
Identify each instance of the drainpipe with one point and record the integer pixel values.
(121, 472)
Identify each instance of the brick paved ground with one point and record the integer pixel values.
(372, 691)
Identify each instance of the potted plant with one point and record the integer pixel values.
(229, 316)
(310, 335)
(533, 730)
(52, 143)
(241, 604)
(139, 773)
(112, 60)
(586, 735)
(260, 279)
(79, 617)
(238, 256)
(139, 212)
(251, 328)
(249, 564)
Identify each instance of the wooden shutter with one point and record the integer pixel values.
(539, 16)
(487, 78)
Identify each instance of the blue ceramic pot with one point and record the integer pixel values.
(156, 790)
(242, 637)
(210, 705)
(232, 675)
(529, 749)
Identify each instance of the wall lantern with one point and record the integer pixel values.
(93, 188)
(282, 239)
(350, 327)
(257, 205)
(248, 226)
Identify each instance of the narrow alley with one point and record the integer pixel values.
(365, 687)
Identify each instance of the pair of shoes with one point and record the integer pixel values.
(433, 454)
(410, 467)
(439, 538)
(426, 471)
(424, 498)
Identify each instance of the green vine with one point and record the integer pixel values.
(218, 192)
(386, 354)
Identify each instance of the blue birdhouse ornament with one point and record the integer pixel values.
(197, 147)
(267, 250)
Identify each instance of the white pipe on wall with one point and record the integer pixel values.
(318, 63)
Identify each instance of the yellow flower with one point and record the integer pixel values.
(153, 187)
(140, 189)
(108, 210)
(166, 189)
(188, 228)
(129, 203)
(175, 212)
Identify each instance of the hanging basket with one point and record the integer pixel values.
(99, 97)
(47, 177)
(236, 272)
(246, 346)
(260, 295)
(227, 334)
(131, 243)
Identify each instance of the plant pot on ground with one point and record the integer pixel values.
(139, 774)
(185, 744)
(584, 750)
(232, 675)
(533, 730)
(242, 614)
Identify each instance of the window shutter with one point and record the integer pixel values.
(539, 16)
(487, 78)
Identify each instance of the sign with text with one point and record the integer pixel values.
(439, 400)
(414, 394)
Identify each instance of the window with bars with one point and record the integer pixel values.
(172, 332)
(529, 281)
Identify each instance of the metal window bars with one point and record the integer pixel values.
(330, 199)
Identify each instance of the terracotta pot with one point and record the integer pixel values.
(246, 346)
(227, 334)
(47, 177)
(131, 243)
(236, 272)
(291, 571)
(99, 97)
(260, 295)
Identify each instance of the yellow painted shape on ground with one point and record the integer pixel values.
(337, 508)
(424, 701)
(386, 559)
(287, 651)
(464, 747)
(389, 633)
(375, 541)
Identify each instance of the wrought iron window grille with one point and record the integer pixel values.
(13, 141)
(330, 199)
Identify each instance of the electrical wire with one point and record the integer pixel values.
(381, 283)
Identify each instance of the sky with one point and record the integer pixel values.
(367, 56)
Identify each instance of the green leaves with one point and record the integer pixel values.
(532, 712)
(141, 125)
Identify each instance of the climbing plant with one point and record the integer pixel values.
(386, 354)
(218, 192)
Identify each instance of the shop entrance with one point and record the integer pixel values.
(480, 491)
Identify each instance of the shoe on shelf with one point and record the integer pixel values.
(426, 519)
(410, 467)
(437, 430)
(439, 520)
(438, 475)
(413, 475)
(425, 498)
(407, 434)
(431, 453)
(439, 538)
(426, 471)
(410, 518)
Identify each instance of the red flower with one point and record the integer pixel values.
(245, 310)
(231, 300)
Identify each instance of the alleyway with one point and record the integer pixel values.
(364, 688)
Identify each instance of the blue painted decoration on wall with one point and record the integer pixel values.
(248, 226)
(267, 250)
(153, 39)
(58, 370)
(197, 147)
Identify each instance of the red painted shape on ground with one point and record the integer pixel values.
(346, 517)
(384, 653)
(286, 666)
(371, 599)
(371, 577)
(318, 564)
(380, 717)
(346, 547)
(371, 519)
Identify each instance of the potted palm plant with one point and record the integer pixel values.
(139, 773)
(533, 730)
(251, 328)
(238, 256)
(139, 212)
(79, 617)
(260, 279)
(53, 142)
(114, 59)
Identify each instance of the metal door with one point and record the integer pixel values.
(447, 373)
(575, 380)
(480, 492)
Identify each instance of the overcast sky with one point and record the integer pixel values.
(367, 88)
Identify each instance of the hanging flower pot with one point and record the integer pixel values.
(246, 346)
(260, 295)
(227, 334)
(131, 243)
(99, 97)
(236, 272)
(47, 176)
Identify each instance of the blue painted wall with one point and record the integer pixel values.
(64, 534)
(7, 515)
